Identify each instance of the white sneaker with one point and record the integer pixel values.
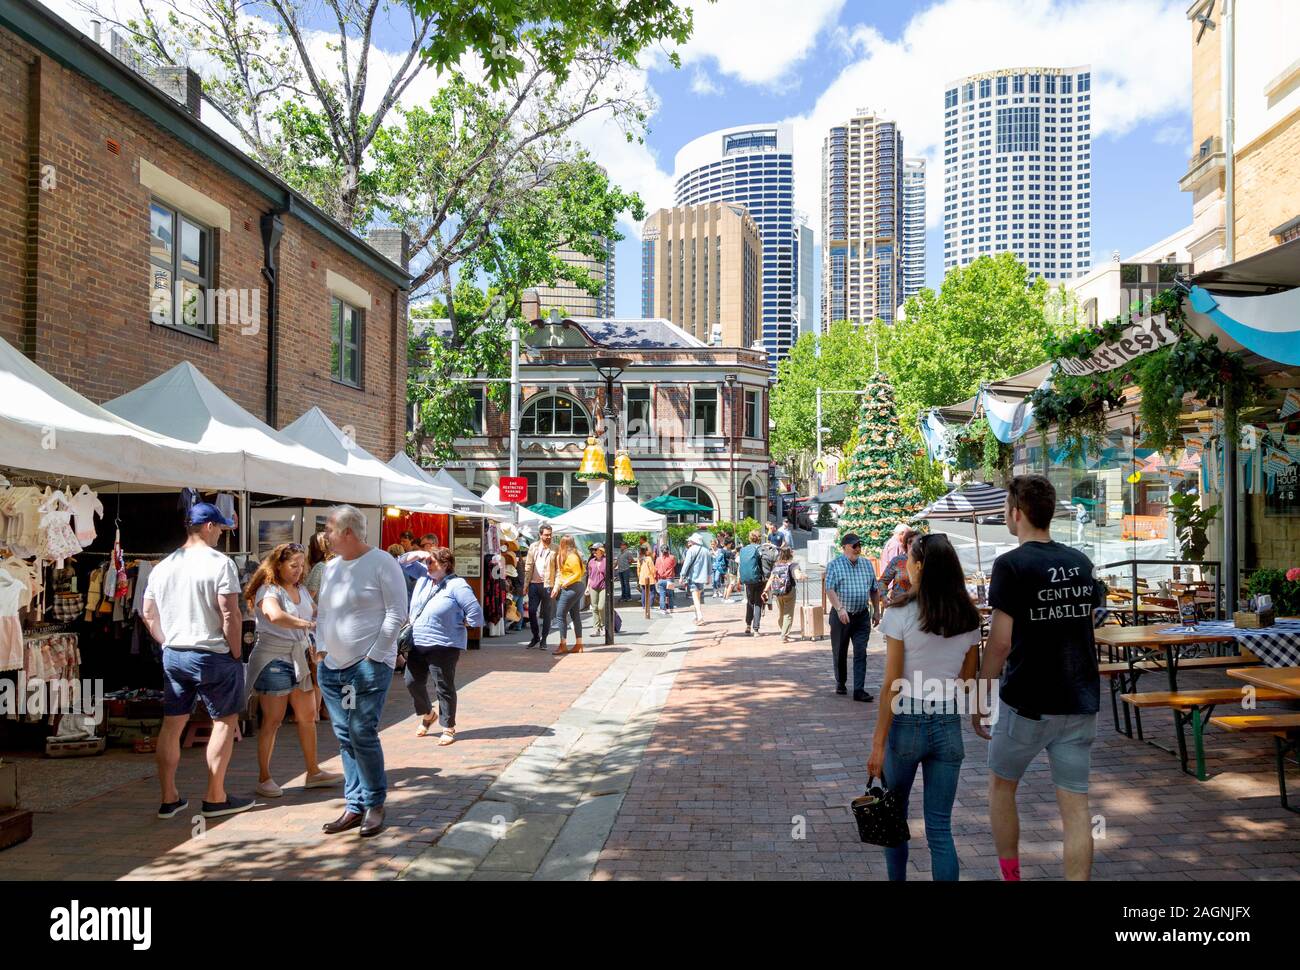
(324, 779)
(268, 789)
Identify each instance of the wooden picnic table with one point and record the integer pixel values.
(1139, 642)
(1279, 678)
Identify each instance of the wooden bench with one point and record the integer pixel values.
(1123, 680)
(1285, 729)
(1196, 706)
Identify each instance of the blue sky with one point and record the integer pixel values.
(816, 67)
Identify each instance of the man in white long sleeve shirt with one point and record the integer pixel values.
(362, 608)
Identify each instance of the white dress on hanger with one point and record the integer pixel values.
(85, 505)
(57, 540)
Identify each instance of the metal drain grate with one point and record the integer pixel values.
(656, 653)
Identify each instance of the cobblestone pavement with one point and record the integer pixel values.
(754, 760)
(683, 752)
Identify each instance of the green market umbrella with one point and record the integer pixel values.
(673, 503)
(550, 511)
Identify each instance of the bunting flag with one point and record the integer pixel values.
(934, 431)
(1009, 420)
(1268, 325)
(1290, 404)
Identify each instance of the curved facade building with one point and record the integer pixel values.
(754, 165)
(1017, 169)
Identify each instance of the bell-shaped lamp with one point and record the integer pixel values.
(623, 476)
(593, 461)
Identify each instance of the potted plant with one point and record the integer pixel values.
(1192, 524)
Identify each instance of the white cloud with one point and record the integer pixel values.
(756, 41)
(1138, 50)
(1174, 135)
(704, 85)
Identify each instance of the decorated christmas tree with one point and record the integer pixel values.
(879, 493)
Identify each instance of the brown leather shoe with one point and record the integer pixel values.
(348, 820)
(373, 822)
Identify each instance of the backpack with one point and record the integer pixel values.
(751, 565)
(782, 580)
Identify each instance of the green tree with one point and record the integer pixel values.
(546, 63)
(577, 208)
(846, 362)
(880, 492)
(987, 321)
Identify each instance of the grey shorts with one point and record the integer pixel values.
(1067, 739)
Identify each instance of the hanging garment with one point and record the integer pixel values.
(57, 540)
(85, 506)
(141, 584)
(22, 519)
(226, 503)
(122, 585)
(13, 597)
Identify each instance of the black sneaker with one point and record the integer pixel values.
(531, 644)
(862, 695)
(172, 809)
(841, 689)
(233, 805)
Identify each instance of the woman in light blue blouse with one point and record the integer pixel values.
(443, 607)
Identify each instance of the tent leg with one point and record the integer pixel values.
(979, 561)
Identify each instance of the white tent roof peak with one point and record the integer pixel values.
(588, 516)
(459, 493)
(313, 429)
(404, 463)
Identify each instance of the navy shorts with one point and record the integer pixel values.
(217, 678)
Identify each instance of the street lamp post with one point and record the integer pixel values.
(731, 439)
(609, 368)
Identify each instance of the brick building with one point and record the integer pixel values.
(132, 238)
(693, 417)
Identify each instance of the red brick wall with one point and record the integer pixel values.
(91, 296)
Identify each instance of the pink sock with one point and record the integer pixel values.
(1010, 869)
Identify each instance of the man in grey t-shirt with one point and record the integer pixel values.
(191, 607)
(361, 609)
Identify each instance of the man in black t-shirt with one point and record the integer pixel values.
(1043, 596)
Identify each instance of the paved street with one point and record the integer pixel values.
(682, 753)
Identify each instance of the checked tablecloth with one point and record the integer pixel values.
(1277, 645)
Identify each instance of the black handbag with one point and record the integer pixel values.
(880, 817)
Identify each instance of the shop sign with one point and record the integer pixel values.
(1142, 337)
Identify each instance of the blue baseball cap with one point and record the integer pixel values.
(203, 512)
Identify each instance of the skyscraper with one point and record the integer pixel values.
(754, 166)
(1017, 171)
(573, 299)
(862, 220)
(702, 268)
(808, 321)
(913, 226)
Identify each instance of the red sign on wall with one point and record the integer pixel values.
(513, 489)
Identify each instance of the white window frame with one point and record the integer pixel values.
(717, 411)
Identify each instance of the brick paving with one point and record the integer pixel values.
(754, 760)
(508, 698)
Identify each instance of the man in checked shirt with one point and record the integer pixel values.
(855, 609)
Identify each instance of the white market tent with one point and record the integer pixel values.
(404, 463)
(186, 405)
(461, 495)
(528, 521)
(588, 516)
(316, 431)
(47, 427)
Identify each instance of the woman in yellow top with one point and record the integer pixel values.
(645, 577)
(570, 584)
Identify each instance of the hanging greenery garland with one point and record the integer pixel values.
(974, 445)
(1077, 405)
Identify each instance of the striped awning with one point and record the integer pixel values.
(975, 499)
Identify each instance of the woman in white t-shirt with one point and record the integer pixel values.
(933, 643)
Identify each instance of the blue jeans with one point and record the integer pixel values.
(665, 594)
(625, 583)
(932, 742)
(355, 698)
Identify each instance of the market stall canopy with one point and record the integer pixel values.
(588, 516)
(1253, 305)
(461, 496)
(674, 504)
(47, 427)
(544, 510)
(316, 431)
(967, 502)
(528, 521)
(833, 495)
(404, 463)
(186, 405)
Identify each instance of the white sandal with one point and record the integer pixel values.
(448, 737)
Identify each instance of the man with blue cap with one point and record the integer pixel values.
(191, 607)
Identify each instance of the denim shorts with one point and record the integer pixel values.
(216, 678)
(1067, 738)
(276, 679)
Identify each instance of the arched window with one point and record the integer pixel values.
(555, 415)
(695, 494)
(750, 500)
